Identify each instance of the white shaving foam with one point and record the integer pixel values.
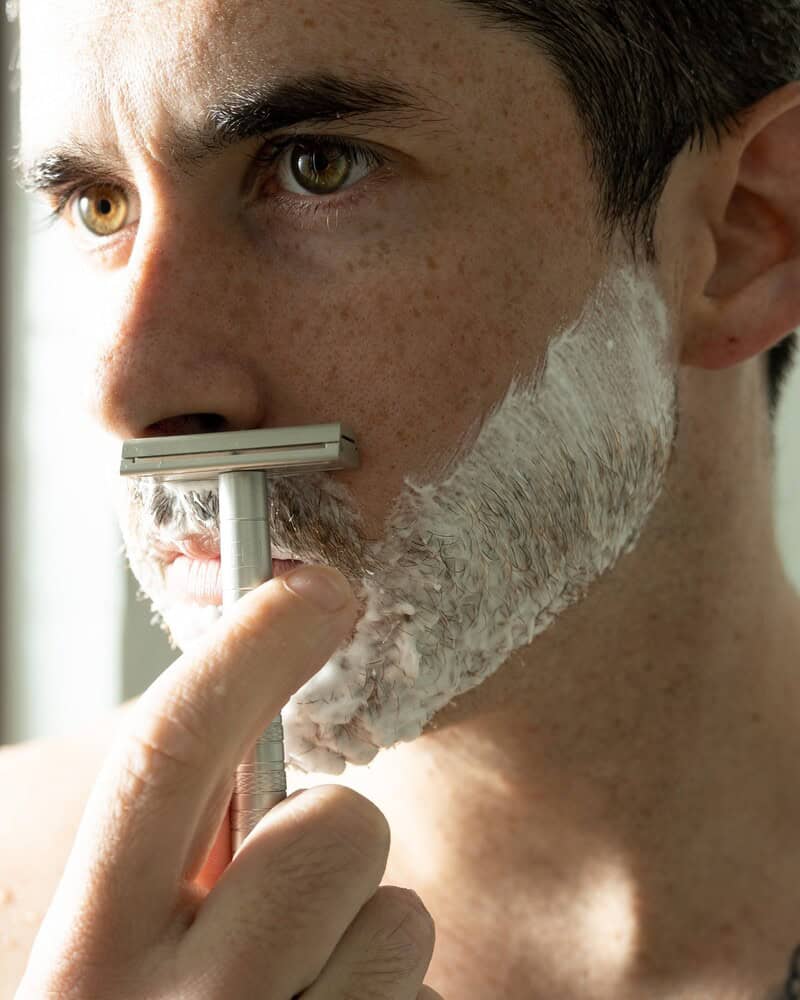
(551, 489)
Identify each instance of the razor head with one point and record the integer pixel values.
(200, 457)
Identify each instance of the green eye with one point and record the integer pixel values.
(320, 169)
(103, 209)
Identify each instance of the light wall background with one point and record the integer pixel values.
(77, 641)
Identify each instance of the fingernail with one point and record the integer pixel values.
(322, 585)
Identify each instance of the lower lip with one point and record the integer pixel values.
(199, 581)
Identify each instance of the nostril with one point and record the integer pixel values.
(191, 423)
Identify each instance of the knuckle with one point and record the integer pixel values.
(348, 825)
(405, 908)
(162, 745)
(399, 946)
(360, 822)
(178, 717)
(330, 836)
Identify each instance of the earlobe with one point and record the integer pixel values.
(751, 321)
(752, 298)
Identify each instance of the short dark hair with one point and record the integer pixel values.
(649, 77)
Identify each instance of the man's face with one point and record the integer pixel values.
(400, 290)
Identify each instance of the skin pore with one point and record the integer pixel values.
(611, 812)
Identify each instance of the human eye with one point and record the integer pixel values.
(311, 174)
(97, 212)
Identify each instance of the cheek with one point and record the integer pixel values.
(411, 358)
(412, 336)
(447, 329)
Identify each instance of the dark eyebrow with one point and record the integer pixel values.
(59, 168)
(281, 103)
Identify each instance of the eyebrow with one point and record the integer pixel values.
(281, 103)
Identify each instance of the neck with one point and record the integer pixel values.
(628, 766)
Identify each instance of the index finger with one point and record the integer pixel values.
(164, 788)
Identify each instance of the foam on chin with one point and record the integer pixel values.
(543, 498)
(475, 567)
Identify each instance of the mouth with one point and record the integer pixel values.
(198, 580)
(192, 569)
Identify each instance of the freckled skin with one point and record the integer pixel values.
(617, 767)
(199, 293)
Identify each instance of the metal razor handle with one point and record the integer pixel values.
(246, 563)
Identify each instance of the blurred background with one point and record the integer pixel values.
(75, 639)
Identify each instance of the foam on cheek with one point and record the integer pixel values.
(557, 486)
(548, 492)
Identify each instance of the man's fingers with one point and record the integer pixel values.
(389, 945)
(171, 771)
(290, 894)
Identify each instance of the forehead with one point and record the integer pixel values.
(90, 66)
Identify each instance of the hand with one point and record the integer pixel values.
(297, 913)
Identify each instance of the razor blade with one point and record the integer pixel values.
(196, 458)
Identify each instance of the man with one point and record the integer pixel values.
(534, 254)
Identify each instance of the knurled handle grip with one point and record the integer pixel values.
(259, 784)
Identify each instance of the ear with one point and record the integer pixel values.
(742, 291)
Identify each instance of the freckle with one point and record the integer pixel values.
(6, 896)
(431, 262)
(309, 22)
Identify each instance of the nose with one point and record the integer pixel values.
(173, 361)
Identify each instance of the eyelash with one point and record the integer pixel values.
(269, 157)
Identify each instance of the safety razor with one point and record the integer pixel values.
(239, 464)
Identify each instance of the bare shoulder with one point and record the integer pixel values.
(43, 789)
